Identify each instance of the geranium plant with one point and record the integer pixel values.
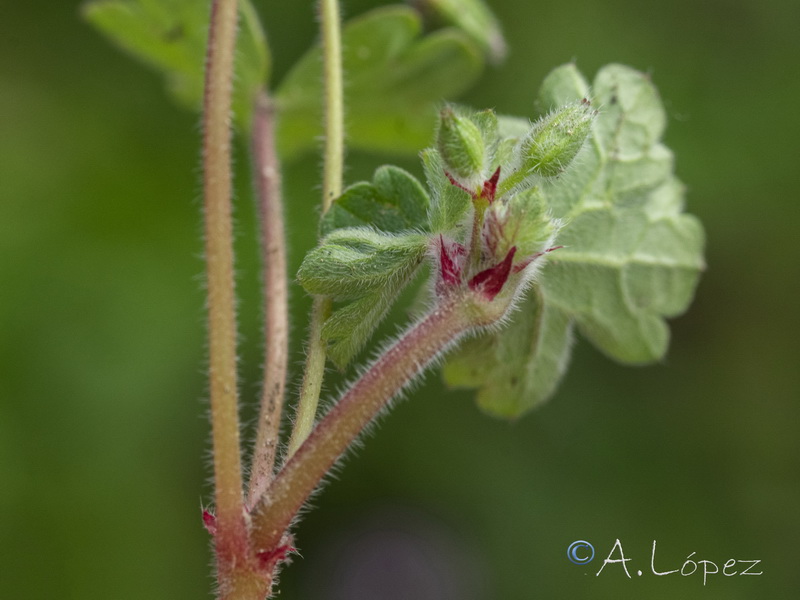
(527, 231)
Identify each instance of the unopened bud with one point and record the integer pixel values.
(522, 221)
(557, 138)
(461, 145)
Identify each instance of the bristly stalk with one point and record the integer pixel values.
(331, 188)
(456, 314)
(334, 102)
(276, 327)
(231, 538)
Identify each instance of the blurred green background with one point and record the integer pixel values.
(103, 435)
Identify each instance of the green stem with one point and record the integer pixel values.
(455, 315)
(276, 320)
(316, 350)
(231, 538)
(514, 179)
(334, 102)
(316, 355)
(475, 245)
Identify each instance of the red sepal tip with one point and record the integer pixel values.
(490, 281)
(267, 559)
(519, 267)
(210, 522)
(490, 186)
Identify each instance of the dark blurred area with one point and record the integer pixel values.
(103, 431)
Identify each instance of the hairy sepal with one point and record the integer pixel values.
(515, 368)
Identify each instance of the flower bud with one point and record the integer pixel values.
(557, 138)
(522, 221)
(461, 145)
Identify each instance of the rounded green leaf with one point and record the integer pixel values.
(350, 263)
(394, 202)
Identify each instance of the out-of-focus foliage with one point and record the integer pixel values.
(102, 435)
(396, 75)
(170, 35)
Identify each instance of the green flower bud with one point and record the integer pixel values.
(461, 145)
(522, 221)
(557, 138)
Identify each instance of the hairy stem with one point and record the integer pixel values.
(316, 354)
(334, 102)
(395, 368)
(331, 189)
(231, 538)
(276, 320)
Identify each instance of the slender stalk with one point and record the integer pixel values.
(394, 369)
(316, 354)
(276, 320)
(331, 189)
(231, 538)
(334, 102)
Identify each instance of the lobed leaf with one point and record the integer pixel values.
(367, 268)
(170, 36)
(396, 77)
(353, 262)
(350, 327)
(631, 257)
(394, 202)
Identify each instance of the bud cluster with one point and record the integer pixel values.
(510, 224)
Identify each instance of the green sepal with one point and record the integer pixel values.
(522, 221)
(394, 202)
(519, 367)
(460, 144)
(353, 262)
(171, 37)
(449, 203)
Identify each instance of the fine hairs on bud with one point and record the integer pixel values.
(461, 146)
(556, 138)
